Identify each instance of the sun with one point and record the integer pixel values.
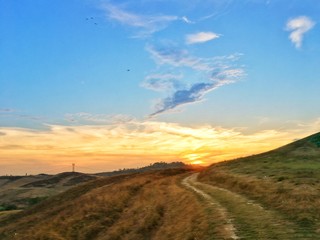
(197, 162)
(194, 158)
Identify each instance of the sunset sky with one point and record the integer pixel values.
(114, 84)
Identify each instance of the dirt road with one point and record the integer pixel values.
(241, 217)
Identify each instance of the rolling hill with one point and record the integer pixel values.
(273, 195)
(19, 192)
(134, 206)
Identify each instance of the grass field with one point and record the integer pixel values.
(274, 195)
(139, 206)
(286, 180)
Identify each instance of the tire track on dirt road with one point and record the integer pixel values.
(247, 219)
(229, 229)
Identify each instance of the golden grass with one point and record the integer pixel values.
(139, 206)
(299, 203)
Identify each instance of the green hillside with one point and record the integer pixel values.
(286, 180)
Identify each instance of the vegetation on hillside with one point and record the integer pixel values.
(136, 206)
(151, 167)
(286, 180)
(21, 192)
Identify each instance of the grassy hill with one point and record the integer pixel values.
(273, 195)
(286, 180)
(136, 206)
(19, 192)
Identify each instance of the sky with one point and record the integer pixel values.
(110, 84)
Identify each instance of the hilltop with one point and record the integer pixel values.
(297, 162)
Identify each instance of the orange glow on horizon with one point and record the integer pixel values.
(130, 144)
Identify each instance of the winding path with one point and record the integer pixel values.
(229, 229)
(243, 218)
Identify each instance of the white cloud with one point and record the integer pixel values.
(201, 37)
(298, 27)
(148, 24)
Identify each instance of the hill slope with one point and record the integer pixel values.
(19, 192)
(137, 206)
(286, 180)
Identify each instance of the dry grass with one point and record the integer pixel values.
(140, 206)
(286, 179)
(297, 202)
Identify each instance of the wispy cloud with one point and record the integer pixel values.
(162, 82)
(187, 20)
(147, 24)
(298, 27)
(6, 110)
(195, 93)
(176, 57)
(212, 73)
(18, 115)
(89, 118)
(180, 97)
(201, 37)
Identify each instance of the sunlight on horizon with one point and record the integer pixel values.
(113, 84)
(130, 144)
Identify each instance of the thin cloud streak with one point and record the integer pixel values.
(201, 37)
(187, 20)
(176, 57)
(89, 118)
(162, 82)
(298, 27)
(148, 24)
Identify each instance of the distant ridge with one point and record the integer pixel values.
(65, 179)
(151, 167)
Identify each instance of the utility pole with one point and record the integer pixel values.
(73, 166)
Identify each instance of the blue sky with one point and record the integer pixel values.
(248, 66)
